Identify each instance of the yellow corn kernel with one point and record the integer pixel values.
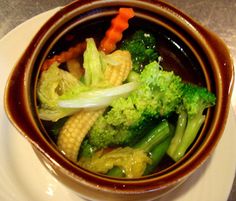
(77, 126)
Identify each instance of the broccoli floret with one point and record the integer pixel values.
(122, 125)
(196, 99)
(142, 47)
(190, 118)
(158, 96)
(160, 91)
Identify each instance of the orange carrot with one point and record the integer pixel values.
(72, 53)
(114, 33)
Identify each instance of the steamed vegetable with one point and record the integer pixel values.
(77, 126)
(157, 154)
(57, 87)
(101, 162)
(99, 97)
(142, 47)
(131, 160)
(159, 95)
(94, 68)
(74, 131)
(195, 100)
(52, 84)
(65, 56)
(114, 33)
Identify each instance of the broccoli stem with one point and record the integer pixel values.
(193, 126)
(155, 138)
(116, 172)
(156, 155)
(179, 132)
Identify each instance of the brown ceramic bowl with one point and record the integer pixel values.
(187, 48)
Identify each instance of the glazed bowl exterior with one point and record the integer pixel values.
(214, 70)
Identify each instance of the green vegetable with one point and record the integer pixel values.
(157, 154)
(61, 94)
(52, 84)
(133, 165)
(191, 117)
(154, 137)
(56, 84)
(158, 96)
(54, 114)
(116, 172)
(155, 145)
(98, 97)
(92, 64)
(142, 47)
(102, 162)
(86, 149)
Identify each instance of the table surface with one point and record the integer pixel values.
(217, 15)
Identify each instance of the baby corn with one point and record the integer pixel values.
(74, 130)
(77, 126)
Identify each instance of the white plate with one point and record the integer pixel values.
(23, 178)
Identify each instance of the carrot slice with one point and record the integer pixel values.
(72, 53)
(114, 33)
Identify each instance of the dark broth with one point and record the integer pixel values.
(176, 55)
